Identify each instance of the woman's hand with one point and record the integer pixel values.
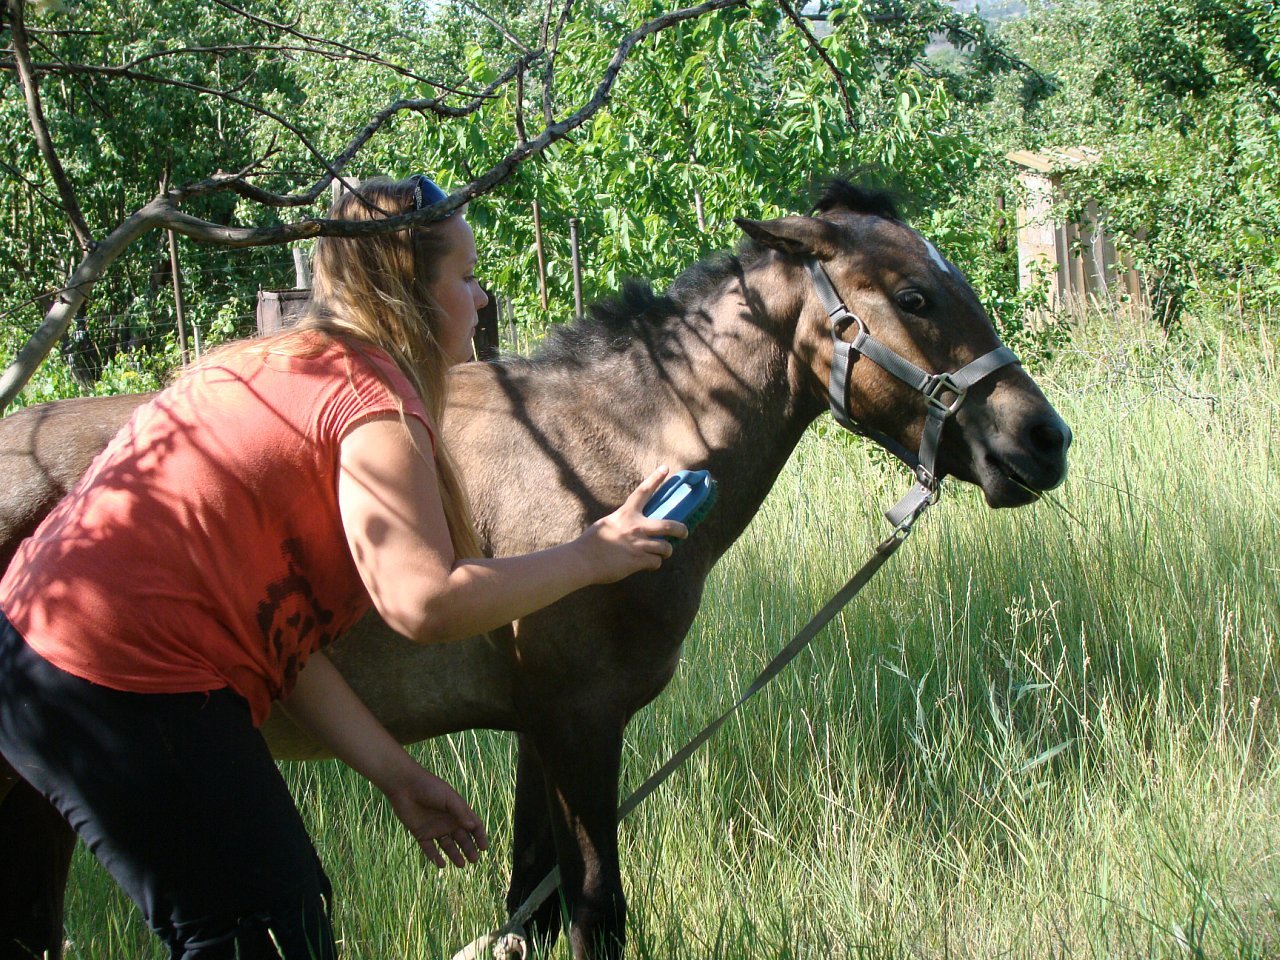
(626, 541)
(439, 819)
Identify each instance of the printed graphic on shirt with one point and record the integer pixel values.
(291, 618)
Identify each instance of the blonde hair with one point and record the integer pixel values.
(377, 290)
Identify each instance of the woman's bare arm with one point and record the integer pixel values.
(325, 706)
(395, 525)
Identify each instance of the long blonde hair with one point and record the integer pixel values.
(377, 290)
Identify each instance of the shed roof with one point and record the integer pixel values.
(1054, 159)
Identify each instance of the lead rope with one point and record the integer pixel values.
(509, 942)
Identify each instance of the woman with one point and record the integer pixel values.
(239, 522)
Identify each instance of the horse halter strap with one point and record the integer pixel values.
(945, 392)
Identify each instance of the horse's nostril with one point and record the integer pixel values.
(1050, 436)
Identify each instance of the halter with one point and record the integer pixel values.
(936, 387)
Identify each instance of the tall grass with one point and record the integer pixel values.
(1048, 732)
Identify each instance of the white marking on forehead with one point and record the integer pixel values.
(934, 255)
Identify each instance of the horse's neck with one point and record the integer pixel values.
(722, 393)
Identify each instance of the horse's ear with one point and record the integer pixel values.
(795, 236)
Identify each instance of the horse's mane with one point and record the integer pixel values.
(613, 323)
(839, 193)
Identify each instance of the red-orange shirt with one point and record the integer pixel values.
(203, 548)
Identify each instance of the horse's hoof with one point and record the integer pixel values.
(511, 946)
(507, 946)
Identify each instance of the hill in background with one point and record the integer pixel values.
(992, 10)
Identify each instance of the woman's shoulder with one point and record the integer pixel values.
(310, 367)
(322, 354)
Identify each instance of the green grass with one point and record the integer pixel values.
(1048, 732)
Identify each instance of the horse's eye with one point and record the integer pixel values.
(912, 301)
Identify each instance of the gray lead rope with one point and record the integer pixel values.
(902, 515)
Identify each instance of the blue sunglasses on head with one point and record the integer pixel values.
(425, 192)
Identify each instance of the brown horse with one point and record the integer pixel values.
(724, 372)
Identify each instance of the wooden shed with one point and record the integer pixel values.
(1078, 260)
(278, 309)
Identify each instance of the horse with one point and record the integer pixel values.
(723, 372)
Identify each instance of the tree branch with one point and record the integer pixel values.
(40, 127)
(956, 30)
(836, 75)
(324, 41)
(332, 170)
(548, 76)
(506, 34)
(222, 50)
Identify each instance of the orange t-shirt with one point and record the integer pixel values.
(204, 548)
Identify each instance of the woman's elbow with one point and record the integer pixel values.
(419, 608)
(429, 622)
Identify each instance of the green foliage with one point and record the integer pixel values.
(723, 116)
(727, 115)
(118, 139)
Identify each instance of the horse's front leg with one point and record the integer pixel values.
(533, 853)
(579, 752)
(35, 856)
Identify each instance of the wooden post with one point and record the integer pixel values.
(179, 308)
(485, 341)
(574, 223)
(537, 246)
(301, 271)
(1002, 226)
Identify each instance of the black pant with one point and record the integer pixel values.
(178, 797)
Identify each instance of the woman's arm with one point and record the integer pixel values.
(325, 706)
(395, 525)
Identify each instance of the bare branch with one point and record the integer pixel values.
(208, 91)
(40, 127)
(69, 300)
(284, 233)
(31, 185)
(85, 88)
(332, 170)
(836, 75)
(223, 50)
(521, 135)
(506, 34)
(338, 45)
(548, 76)
(545, 29)
(344, 53)
(370, 129)
(955, 28)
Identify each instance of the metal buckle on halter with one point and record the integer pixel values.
(928, 481)
(937, 385)
(841, 322)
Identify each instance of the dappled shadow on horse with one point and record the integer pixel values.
(724, 371)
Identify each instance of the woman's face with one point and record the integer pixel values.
(457, 291)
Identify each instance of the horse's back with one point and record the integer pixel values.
(44, 450)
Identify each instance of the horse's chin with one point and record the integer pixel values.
(1004, 485)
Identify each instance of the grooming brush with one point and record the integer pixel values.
(686, 497)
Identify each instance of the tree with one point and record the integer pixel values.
(241, 204)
